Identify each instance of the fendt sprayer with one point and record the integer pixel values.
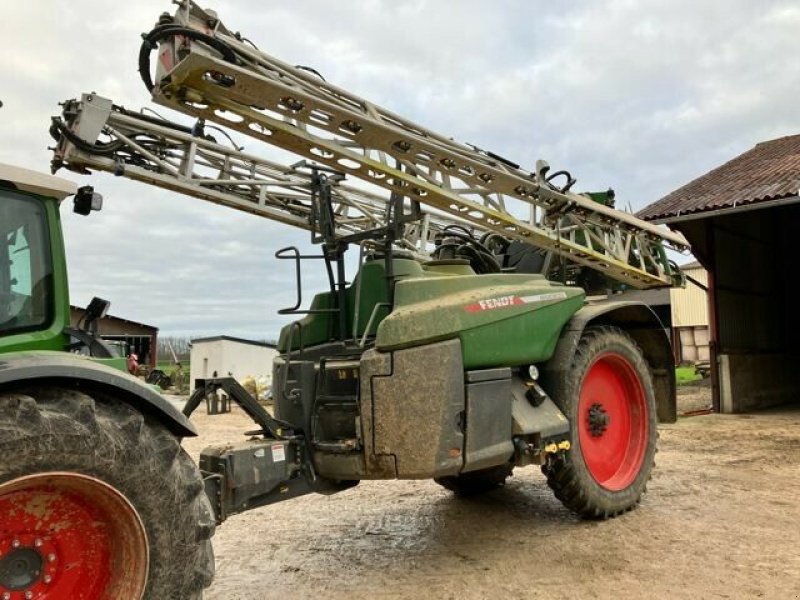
(477, 334)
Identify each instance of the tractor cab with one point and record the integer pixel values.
(34, 301)
(34, 296)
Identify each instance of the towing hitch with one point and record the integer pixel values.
(262, 470)
(252, 474)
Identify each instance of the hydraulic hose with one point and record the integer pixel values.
(59, 129)
(150, 43)
(154, 120)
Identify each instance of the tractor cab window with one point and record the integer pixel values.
(26, 271)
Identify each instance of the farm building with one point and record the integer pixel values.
(126, 335)
(658, 300)
(684, 314)
(689, 308)
(740, 220)
(224, 355)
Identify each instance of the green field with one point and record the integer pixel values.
(169, 367)
(686, 375)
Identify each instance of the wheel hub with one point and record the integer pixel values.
(29, 562)
(20, 569)
(67, 535)
(599, 420)
(612, 421)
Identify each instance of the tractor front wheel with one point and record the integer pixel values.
(607, 395)
(98, 502)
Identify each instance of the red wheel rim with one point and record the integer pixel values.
(69, 536)
(613, 422)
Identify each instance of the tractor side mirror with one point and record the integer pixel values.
(87, 200)
(97, 309)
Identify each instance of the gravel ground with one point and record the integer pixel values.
(721, 520)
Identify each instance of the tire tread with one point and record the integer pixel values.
(566, 474)
(54, 428)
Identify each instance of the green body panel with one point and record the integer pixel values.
(52, 336)
(119, 363)
(320, 328)
(525, 338)
(501, 320)
(311, 330)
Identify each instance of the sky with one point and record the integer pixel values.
(642, 96)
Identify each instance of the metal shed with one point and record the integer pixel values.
(740, 220)
(690, 316)
(224, 355)
(130, 335)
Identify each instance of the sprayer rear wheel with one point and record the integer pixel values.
(607, 395)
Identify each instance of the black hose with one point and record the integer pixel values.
(154, 120)
(456, 228)
(563, 173)
(491, 238)
(150, 43)
(59, 129)
(465, 235)
(310, 70)
(481, 262)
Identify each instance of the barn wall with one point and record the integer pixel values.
(690, 304)
(748, 284)
(757, 315)
(224, 356)
(752, 381)
(247, 360)
(205, 358)
(756, 297)
(689, 307)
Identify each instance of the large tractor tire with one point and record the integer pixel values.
(607, 395)
(476, 482)
(97, 502)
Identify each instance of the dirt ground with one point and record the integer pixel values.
(721, 519)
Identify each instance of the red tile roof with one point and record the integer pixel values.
(770, 171)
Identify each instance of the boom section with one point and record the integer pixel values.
(93, 133)
(208, 72)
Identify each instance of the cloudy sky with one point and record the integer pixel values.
(639, 95)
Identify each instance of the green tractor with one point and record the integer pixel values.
(97, 497)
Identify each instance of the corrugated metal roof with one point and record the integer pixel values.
(79, 310)
(770, 171)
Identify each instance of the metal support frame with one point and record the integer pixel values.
(93, 133)
(713, 317)
(268, 424)
(217, 77)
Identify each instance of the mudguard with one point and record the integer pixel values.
(643, 325)
(70, 370)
